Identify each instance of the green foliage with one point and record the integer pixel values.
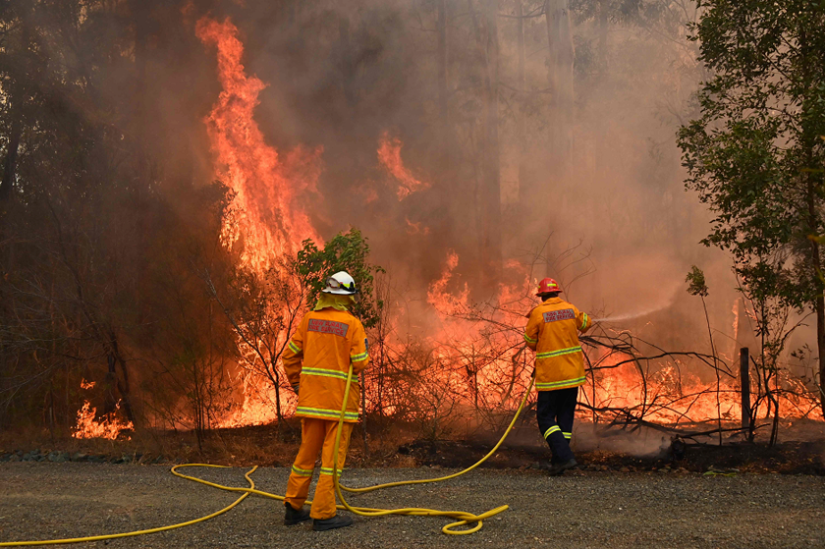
(696, 280)
(753, 154)
(346, 252)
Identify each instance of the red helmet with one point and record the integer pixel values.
(548, 286)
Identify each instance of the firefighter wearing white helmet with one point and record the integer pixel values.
(341, 283)
(317, 361)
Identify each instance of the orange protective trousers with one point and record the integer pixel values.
(317, 435)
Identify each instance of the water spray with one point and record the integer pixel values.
(633, 316)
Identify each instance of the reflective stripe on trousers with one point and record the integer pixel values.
(317, 435)
(322, 413)
(554, 412)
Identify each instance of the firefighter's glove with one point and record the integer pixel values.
(296, 387)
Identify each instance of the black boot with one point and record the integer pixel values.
(294, 516)
(328, 524)
(559, 468)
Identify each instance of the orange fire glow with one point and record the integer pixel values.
(258, 407)
(416, 228)
(108, 427)
(673, 395)
(670, 392)
(389, 155)
(272, 222)
(437, 295)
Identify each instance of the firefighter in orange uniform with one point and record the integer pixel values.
(552, 332)
(317, 360)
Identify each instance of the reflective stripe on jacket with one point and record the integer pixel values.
(318, 357)
(552, 332)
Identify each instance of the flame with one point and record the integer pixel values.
(87, 384)
(269, 222)
(438, 296)
(416, 228)
(259, 404)
(389, 155)
(673, 395)
(477, 363)
(668, 393)
(108, 427)
(267, 184)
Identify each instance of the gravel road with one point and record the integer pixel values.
(587, 510)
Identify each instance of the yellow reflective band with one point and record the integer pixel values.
(551, 430)
(568, 436)
(560, 352)
(301, 472)
(561, 384)
(359, 358)
(328, 471)
(326, 373)
(529, 339)
(324, 414)
(294, 348)
(584, 321)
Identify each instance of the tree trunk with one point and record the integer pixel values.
(819, 303)
(560, 77)
(277, 383)
(141, 10)
(10, 162)
(820, 343)
(9, 172)
(814, 181)
(521, 131)
(603, 5)
(442, 62)
(491, 183)
(344, 61)
(16, 99)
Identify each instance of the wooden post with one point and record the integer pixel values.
(745, 386)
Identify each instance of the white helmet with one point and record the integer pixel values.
(341, 283)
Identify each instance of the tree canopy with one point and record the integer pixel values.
(755, 153)
(346, 252)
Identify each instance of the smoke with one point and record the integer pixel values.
(605, 213)
(609, 218)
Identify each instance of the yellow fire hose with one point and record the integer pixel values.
(462, 518)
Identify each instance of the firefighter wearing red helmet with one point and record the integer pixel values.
(552, 332)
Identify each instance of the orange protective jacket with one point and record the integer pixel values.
(318, 357)
(552, 333)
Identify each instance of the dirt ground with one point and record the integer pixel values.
(583, 510)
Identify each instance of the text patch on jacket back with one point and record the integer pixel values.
(328, 327)
(564, 314)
